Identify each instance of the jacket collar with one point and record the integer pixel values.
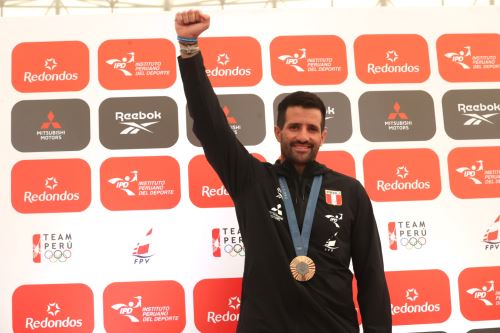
(286, 168)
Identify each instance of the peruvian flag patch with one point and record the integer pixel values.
(333, 197)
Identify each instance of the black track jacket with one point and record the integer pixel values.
(272, 300)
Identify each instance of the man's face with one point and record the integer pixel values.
(301, 135)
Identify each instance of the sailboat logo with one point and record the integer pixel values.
(142, 251)
(492, 235)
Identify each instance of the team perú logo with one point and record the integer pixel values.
(132, 186)
(397, 120)
(136, 312)
(300, 62)
(51, 129)
(392, 65)
(224, 68)
(128, 66)
(142, 251)
(54, 247)
(467, 59)
(492, 236)
(486, 294)
(135, 122)
(477, 173)
(409, 234)
(228, 241)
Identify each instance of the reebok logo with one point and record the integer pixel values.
(47, 66)
(391, 58)
(138, 122)
(137, 64)
(472, 114)
(217, 305)
(306, 60)
(232, 61)
(51, 186)
(408, 174)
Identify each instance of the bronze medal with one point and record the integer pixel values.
(302, 268)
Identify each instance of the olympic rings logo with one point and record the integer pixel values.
(413, 242)
(57, 255)
(234, 250)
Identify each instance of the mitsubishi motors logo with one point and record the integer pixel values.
(398, 120)
(232, 121)
(276, 213)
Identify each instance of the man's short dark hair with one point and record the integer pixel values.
(304, 99)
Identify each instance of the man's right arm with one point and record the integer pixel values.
(225, 153)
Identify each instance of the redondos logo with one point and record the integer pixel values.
(406, 68)
(402, 186)
(226, 317)
(53, 323)
(50, 197)
(47, 77)
(417, 308)
(221, 72)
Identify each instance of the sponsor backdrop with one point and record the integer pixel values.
(113, 221)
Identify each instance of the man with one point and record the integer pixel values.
(296, 276)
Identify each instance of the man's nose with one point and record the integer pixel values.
(302, 134)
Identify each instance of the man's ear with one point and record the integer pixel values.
(277, 133)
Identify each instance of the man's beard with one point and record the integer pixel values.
(288, 152)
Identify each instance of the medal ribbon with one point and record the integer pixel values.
(301, 240)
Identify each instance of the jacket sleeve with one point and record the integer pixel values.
(373, 294)
(224, 152)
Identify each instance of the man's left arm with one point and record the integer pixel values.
(373, 294)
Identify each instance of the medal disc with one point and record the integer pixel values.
(302, 268)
